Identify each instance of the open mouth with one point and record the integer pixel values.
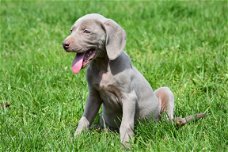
(81, 60)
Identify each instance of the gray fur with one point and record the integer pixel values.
(122, 91)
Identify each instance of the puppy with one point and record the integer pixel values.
(113, 82)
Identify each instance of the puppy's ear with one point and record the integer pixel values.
(115, 39)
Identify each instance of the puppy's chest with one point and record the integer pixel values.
(108, 87)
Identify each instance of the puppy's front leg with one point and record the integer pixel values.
(92, 106)
(128, 119)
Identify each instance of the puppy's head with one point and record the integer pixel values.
(94, 36)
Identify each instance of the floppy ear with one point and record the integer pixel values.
(115, 39)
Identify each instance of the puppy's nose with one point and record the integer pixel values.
(66, 45)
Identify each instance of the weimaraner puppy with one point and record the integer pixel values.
(113, 82)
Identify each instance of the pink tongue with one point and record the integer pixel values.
(77, 63)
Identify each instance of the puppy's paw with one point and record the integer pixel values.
(126, 137)
(126, 145)
(77, 133)
(82, 125)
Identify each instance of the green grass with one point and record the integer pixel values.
(183, 45)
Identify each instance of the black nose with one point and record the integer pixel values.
(66, 45)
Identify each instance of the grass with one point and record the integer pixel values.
(183, 45)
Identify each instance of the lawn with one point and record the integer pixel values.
(183, 45)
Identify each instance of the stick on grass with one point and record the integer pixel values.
(183, 121)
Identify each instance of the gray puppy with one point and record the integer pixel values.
(125, 95)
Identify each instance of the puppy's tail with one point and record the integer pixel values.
(183, 121)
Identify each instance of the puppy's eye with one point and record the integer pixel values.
(71, 31)
(86, 31)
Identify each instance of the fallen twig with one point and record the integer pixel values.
(182, 121)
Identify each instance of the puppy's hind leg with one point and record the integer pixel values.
(166, 99)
